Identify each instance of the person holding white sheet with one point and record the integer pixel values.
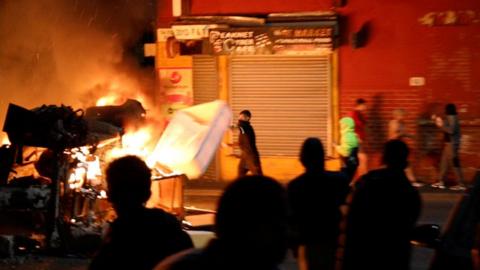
(249, 157)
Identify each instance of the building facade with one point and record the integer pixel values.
(415, 55)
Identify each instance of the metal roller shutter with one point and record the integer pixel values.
(289, 97)
(205, 82)
(205, 89)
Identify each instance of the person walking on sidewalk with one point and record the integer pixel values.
(348, 147)
(249, 157)
(360, 119)
(450, 157)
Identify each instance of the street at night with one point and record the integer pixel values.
(240, 134)
(436, 208)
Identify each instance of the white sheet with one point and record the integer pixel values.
(192, 137)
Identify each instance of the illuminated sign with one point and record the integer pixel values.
(272, 40)
(193, 31)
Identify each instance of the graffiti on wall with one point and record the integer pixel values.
(450, 18)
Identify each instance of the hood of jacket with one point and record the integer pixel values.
(347, 125)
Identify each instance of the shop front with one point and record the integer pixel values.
(282, 72)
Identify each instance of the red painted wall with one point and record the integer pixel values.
(398, 47)
(209, 7)
(164, 13)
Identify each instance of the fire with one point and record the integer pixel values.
(88, 169)
(116, 97)
(108, 100)
(134, 143)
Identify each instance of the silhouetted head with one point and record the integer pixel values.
(245, 115)
(128, 180)
(312, 155)
(360, 104)
(251, 220)
(395, 154)
(450, 109)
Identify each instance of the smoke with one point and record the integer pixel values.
(71, 51)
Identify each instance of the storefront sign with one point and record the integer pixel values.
(273, 40)
(163, 34)
(302, 40)
(240, 41)
(193, 32)
(177, 86)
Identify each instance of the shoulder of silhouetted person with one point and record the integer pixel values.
(187, 259)
(142, 239)
(328, 181)
(155, 221)
(389, 190)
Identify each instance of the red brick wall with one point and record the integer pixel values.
(398, 48)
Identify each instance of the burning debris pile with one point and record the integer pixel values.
(57, 155)
(54, 165)
(77, 52)
(62, 127)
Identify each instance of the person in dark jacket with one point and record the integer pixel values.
(450, 156)
(251, 229)
(249, 157)
(138, 238)
(383, 210)
(315, 198)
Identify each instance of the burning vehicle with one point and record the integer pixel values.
(52, 170)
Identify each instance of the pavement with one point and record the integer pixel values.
(436, 207)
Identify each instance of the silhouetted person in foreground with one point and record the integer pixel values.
(397, 130)
(460, 242)
(315, 198)
(251, 230)
(383, 211)
(139, 238)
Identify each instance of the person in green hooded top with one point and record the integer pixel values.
(348, 147)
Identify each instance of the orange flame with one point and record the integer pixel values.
(107, 100)
(133, 143)
(116, 99)
(139, 142)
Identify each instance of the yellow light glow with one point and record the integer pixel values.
(5, 139)
(133, 143)
(108, 100)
